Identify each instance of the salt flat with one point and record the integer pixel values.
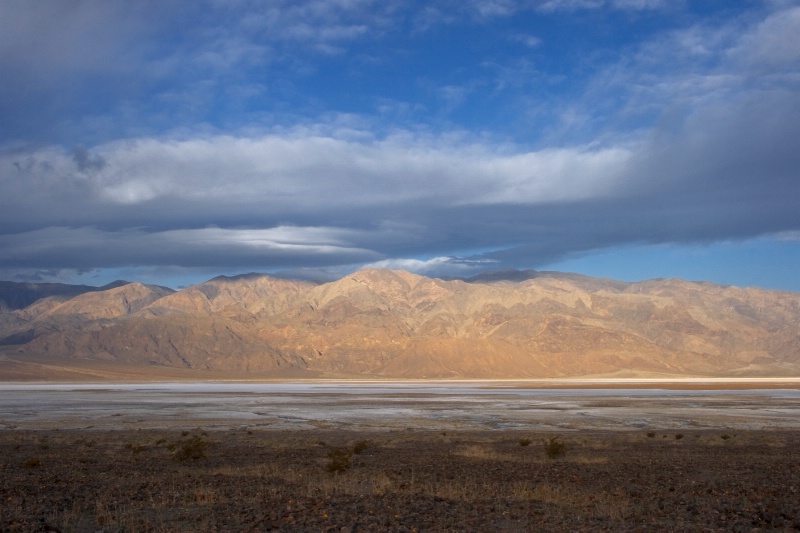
(477, 405)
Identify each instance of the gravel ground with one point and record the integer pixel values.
(401, 480)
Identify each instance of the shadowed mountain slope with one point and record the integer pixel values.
(15, 296)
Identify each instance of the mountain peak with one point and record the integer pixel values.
(392, 323)
(114, 284)
(121, 300)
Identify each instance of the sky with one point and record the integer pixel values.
(171, 141)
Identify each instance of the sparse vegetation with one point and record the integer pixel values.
(193, 448)
(678, 436)
(84, 442)
(339, 460)
(401, 481)
(33, 462)
(651, 434)
(360, 446)
(136, 448)
(524, 441)
(554, 447)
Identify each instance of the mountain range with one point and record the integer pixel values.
(394, 324)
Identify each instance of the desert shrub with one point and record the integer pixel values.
(32, 462)
(360, 445)
(524, 441)
(678, 436)
(193, 448)
(339, 460)
(651, 434)
(84, 442)
(554, 447)
(136, 448)
(725, 437)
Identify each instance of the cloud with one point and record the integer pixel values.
(772, 43)
(789, 236)
(305, 170)
(688, 137)
(86, 35)
(52, 37)
(631, 5)
(570, 5)
(641, 4)
(448, 12)
(436, 266)
(78, 65)
(531, 41)
(86, 162)
(89, 247)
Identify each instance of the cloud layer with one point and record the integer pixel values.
(688, 134)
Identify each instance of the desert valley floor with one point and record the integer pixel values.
(549, 406)
(694, 455)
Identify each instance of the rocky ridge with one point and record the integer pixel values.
(396, 324)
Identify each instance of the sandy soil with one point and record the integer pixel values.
(398, 480)
(33, 368)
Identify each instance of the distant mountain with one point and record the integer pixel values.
(386, 323)
(19, 295)
(114, 302)
(89, 309)
(503, 275)
(240, 296)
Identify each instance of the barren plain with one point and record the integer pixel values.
(589, 455)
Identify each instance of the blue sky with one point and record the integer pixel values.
(173, 141)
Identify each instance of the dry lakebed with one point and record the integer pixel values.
(585, 455)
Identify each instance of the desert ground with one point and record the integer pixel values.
(478, 456)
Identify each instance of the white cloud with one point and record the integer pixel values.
(494, 8)
(196, 246)
(311, 171)
(436, 266)
(570, 5)
(641, 4)
(679, 74)
(311, 240)
(531, 41)
(789, 236)
(557, 175)
(631, 5)
(772, 44)
(157, 40)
